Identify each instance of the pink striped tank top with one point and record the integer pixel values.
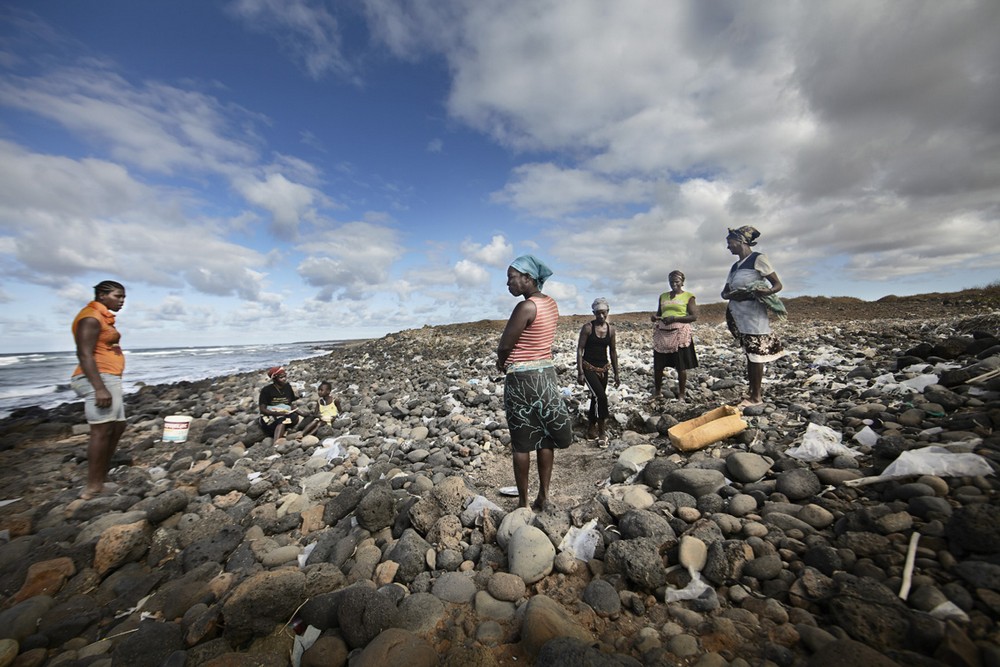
(536, 340)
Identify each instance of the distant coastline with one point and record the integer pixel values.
(41, 379)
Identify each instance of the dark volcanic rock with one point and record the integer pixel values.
(870, 613)
(975, 528)
(149, 645)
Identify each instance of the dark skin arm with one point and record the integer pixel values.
(87, 331)
(522, 316)
(613, 350)
(580, 347)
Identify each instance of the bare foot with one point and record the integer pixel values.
(106, 489)
(541, 505)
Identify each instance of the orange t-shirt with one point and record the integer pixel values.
(107, 352)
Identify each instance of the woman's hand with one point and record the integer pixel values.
(579, 378)
(102, 397)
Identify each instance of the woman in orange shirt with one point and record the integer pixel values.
(98, 379)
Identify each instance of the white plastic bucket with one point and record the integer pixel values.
(175, 428)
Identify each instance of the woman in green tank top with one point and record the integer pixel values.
(673, 343)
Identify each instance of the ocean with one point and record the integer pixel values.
(42, 378)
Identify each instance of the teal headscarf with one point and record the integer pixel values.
(534, 267)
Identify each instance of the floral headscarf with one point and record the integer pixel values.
(745, 234)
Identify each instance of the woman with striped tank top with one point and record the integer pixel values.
(536, 415)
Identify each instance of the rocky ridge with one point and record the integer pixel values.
(391, 541)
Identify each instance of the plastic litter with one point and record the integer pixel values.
(920, 382)
(473, 512)
(303, 643)
(866, 436)
(329, 449)
(949, 611)
(829, 359)
(937, 461)
(304, 556)
(820, 442)
(582, 541)
(695, 588)
(715, 425)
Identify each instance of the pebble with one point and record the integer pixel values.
(410, 570)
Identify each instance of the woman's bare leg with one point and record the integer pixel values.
(522, 464)
(100, 448)
(545, 458)
(755, 375)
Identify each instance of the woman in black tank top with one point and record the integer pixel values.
(596, 344)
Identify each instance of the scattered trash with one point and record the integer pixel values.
(329, 449)
(715, 425)
(932, 460)
(949, 611)
(820, 442)
(866, 436)
(920, 382)
(937, 461)
(582, 541)
(303, 643)
(304, 556)
(508, 491)
(695, 589)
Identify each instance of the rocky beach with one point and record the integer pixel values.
(854, 521)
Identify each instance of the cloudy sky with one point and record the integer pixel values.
(286, 170)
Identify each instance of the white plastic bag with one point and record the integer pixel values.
(582, 541)
(303, 643)
(818, 443)
(693, 590)
(473, 514)
(866, 436)
(937, 461)
(920, 382)
(329, 449)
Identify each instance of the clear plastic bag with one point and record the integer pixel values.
(819, 443)
(582, 541)
(937, 461)
(692, 591)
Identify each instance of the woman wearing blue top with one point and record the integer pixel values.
(750, 285)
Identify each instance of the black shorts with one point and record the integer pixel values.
(269, 424)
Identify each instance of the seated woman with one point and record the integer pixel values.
(673, 343)
(595, 345)
(276, 412)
